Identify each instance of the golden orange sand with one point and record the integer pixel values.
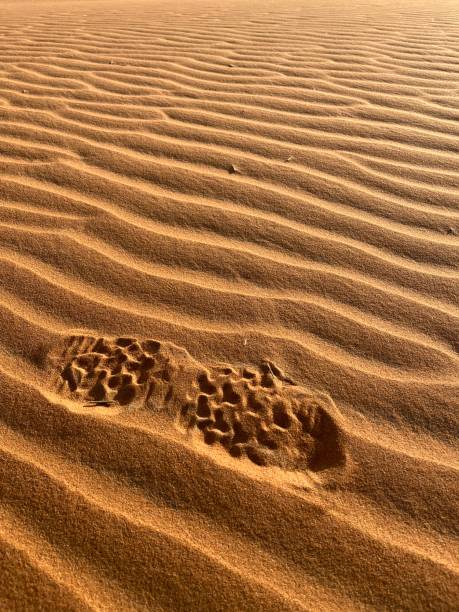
(229, 315)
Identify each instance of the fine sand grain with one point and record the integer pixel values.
(229, 315)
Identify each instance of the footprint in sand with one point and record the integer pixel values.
(254, 412)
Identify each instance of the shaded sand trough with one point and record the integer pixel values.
(229, 305)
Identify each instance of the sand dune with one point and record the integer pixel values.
(229, 316)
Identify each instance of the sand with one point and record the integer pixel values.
(229, 315)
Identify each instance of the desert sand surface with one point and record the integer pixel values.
(229, 315)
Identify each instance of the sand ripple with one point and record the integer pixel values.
(270, 192)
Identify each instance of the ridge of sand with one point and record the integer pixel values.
(229, 315)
